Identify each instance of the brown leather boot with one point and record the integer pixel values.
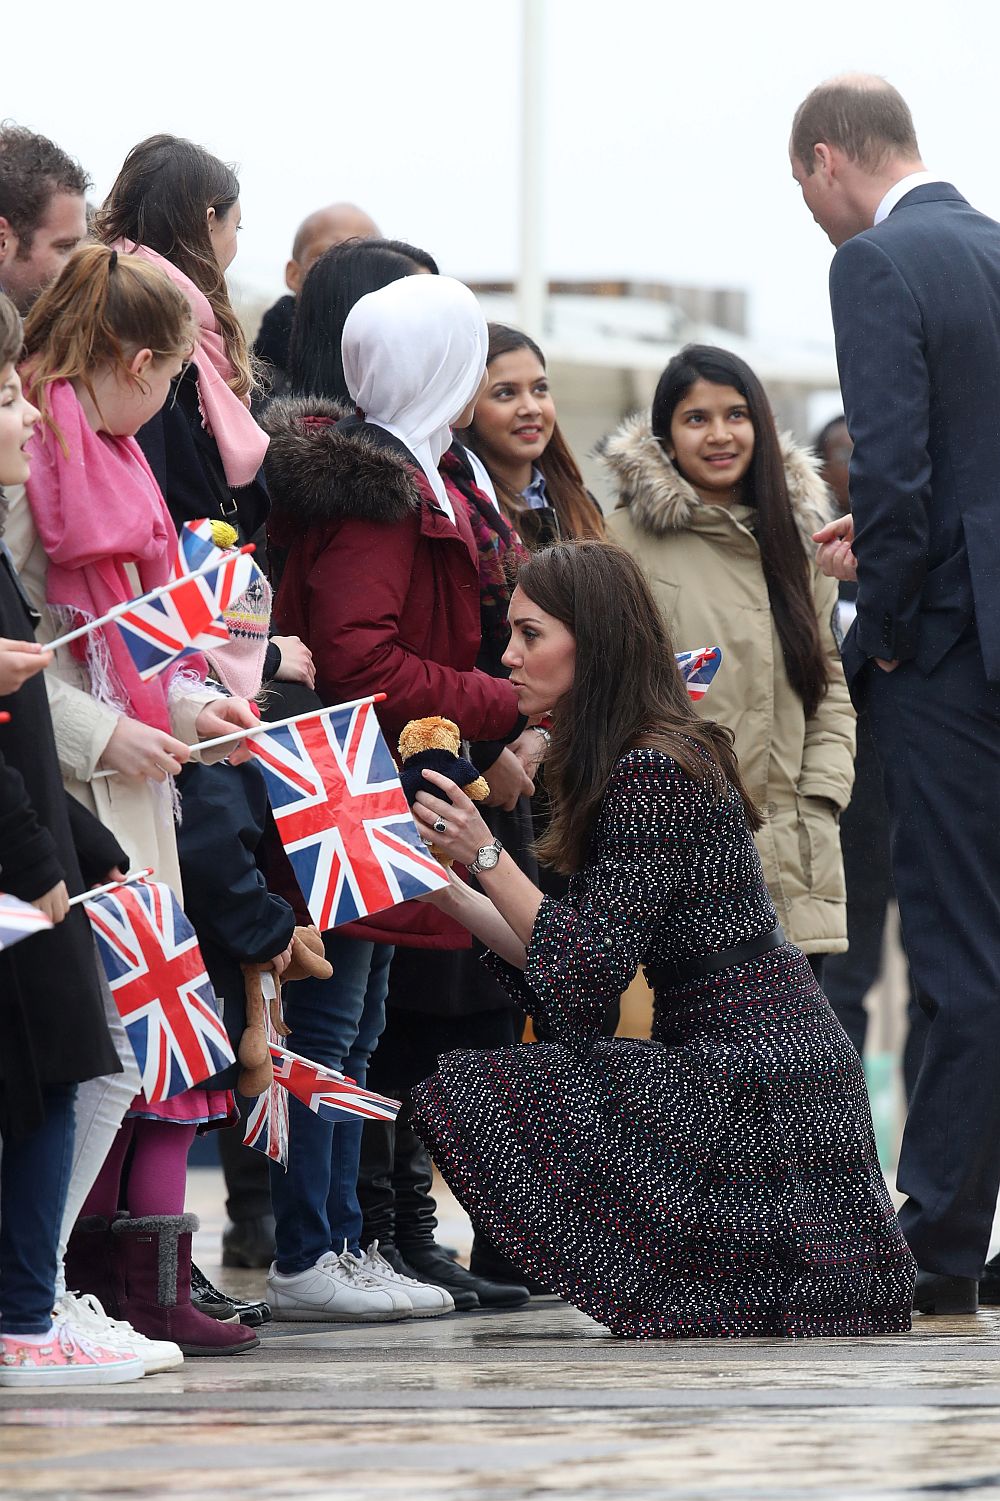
(153, 1258)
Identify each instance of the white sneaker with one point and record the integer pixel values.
(428, 1301)
(335, 1290)
(84, 1314)
(65, 1358)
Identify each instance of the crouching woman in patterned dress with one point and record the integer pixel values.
(721, 1179)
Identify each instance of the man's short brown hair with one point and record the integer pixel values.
(866, 118)
(32, 169)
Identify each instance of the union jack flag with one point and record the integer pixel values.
(19, 920)
(342, 815)
(189, 618)
(267, 1124)
(328, 1093)
(698, 668)
(163, 994)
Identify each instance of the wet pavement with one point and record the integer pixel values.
(541, 1403)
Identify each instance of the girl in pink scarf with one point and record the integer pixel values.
(103, 344)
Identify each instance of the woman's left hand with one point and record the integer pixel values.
(465, 832)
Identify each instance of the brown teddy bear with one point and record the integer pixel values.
(435, 744)
(308, 961)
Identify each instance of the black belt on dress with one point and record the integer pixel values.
(666, 976)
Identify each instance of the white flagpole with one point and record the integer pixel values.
(87, 896)
(532, 286)
(92, 625)
(276, 724)
(263, 727)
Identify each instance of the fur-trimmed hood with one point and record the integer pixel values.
(321, 468)
(659, 500)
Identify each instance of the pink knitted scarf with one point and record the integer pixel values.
(97, 508)
(241, 443)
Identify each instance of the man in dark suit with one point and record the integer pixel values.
(915, 294)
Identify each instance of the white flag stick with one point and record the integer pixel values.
(92, 625)
(275, 724)
(86, 896)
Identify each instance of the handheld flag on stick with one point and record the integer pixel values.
(342, 814)
(164, 996)
(267, 1124)
(328, 1093)
(19, 920)
(698, 668)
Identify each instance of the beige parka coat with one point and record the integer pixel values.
(703, 563)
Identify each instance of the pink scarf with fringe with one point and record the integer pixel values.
(97, 508)
(241, 443)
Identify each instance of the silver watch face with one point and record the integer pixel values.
(488, 857)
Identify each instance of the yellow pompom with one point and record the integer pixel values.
(224, 535)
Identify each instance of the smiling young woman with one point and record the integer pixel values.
(719, 511)
(516, 434)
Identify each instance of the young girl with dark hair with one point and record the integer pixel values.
(720, 511)
(102, 345)
(722, 1179)
(514, 432)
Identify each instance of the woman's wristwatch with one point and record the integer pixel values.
(486, 858)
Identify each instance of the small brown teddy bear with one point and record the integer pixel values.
(308, 961)
(434, 744)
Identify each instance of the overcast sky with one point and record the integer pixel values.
(666, 121)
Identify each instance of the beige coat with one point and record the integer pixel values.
(138, 812)
(703, 563)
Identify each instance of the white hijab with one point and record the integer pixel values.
(414, 356)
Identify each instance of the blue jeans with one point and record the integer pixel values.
(337, 1022)
(34, 1177)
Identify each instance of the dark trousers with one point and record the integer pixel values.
(938, 739)
(34, 1177)
(246, 1171)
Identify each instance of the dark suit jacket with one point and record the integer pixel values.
(916, 311)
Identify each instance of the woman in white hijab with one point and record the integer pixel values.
(415, 360)
(381, 577)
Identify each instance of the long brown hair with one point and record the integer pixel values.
(161, 199)
(101, 310)
(786, 568)
(576, 512)
(626, 693)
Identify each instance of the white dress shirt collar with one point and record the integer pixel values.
(899, 190)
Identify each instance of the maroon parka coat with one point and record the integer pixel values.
(384, 590)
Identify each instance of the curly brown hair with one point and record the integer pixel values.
(32, 169)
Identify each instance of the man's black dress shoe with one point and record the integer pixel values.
(430, 1264)
(486, 1261)
(936, 1293)
(989, 1284)
(249, 1243)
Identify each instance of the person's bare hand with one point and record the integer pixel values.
(54, 903)
(529, 748)
(835, 549)
(221, 717)
(464, 833)
(19, 661)
(281, 961)
(297, 665)
(114, 874)
(140, 750)
(508, 780)
(887, 666)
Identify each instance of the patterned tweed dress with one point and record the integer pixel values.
(720, 1179)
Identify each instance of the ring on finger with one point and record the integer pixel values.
(439, 826)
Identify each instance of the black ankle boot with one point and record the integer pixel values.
(936, 1293)
(989, 1284)
(249, 1243)
(486, 1261)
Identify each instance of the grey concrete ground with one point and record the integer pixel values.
(536, 1404)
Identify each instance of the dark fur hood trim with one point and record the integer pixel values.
(318, 473)
(659, 500)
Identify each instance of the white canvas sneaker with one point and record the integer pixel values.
(84, 1314)
(335, 1290)
(429, 1301)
